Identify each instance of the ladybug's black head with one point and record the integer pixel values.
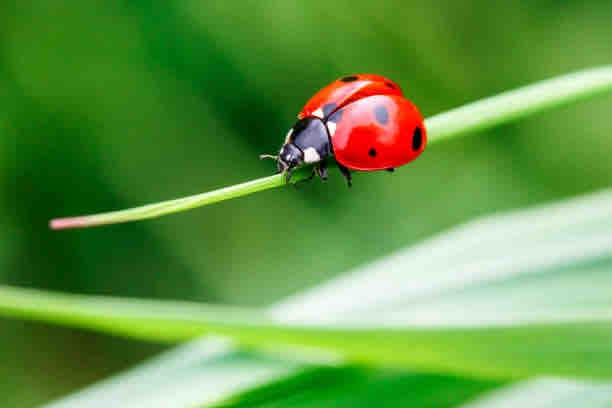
(290, 156)
(307, 142)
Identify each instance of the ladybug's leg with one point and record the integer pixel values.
(321, 170)
(390, 169)
(295, 185)
(288, 176)
(347, 175)
(312, 174)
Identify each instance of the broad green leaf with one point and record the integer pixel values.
(493, 249)
(497, 261)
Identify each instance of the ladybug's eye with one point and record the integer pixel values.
(417, 139)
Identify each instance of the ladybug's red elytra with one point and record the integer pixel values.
(363, 120)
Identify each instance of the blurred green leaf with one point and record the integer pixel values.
(502, 296)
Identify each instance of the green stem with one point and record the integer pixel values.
(479, 115)
(172, 206)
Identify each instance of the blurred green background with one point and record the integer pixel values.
(106, 105)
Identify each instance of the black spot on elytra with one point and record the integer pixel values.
(381, 114)
(336, 117)
(350, 78)
(329, 108)
(372, 152)
(391, 85)
(417, 139)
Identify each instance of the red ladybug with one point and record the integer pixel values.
(363, 120)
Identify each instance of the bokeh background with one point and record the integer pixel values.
(111, 104)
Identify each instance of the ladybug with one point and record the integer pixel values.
(363, 120)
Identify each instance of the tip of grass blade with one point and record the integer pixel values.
(173, 206)
(71, 223)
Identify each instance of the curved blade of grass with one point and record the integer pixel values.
(502, 352)
(479, 115)
(515, 350)
(470, 259)
(168, 207)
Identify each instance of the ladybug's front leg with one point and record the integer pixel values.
(288, 175)
(321, 170)
(347, 175)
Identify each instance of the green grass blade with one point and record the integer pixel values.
(171, 206)
(479, 115)
(145, 319)
(458, 350)
(518, 103)
(487, 351)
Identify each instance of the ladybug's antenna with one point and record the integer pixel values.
(268, 156)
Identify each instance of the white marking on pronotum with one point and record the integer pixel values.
(311, 155)
(318, 113)
(331, 127)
